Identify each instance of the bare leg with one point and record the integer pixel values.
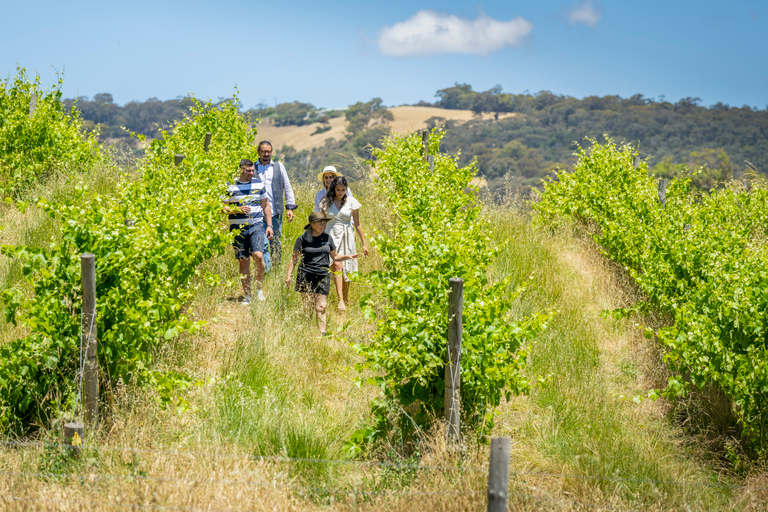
(321, 302)
(258, 258)
(245, 275)
(345, 289)
(338, 280)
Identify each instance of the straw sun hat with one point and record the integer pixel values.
(329, 169)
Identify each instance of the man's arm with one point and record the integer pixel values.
(267, 215)
(290, 201)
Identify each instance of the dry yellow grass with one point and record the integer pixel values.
(406, 119)
(189, 459)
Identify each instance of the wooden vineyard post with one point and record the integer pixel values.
(636, 162)
(74, 433)
(431, 161)
(32, 105)
(498, 474)
(453, 362)
(89, 337)
(177, 160)
(663, 192)
(425, 143)
(207, 143)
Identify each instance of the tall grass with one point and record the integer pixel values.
(586, 421)
(266, 384)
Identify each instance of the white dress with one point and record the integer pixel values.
(321, 194)
(342, 230)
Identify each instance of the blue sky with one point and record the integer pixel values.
(335, 53)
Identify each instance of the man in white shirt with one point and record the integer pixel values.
(275, 179)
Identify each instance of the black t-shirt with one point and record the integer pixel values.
(315, 253)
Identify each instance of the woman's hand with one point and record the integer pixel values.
(288, 281)
(365, 250)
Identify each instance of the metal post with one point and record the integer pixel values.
(498, 474)
(207, 143)
(89, 337)
(453, 361)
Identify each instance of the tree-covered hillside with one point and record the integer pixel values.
(542, 134)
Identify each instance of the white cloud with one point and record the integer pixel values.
(429, 33)
(589, 13)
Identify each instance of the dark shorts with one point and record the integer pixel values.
(313, 283)
(249, 240)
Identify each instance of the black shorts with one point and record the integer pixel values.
(313, 283)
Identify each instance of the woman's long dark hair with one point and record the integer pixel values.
(330, 196)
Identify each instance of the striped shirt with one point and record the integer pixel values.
(248, 193)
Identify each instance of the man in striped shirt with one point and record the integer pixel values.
(247, 206)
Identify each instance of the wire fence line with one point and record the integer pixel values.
(376, 464)
(103, 504)
(540, 496)
(267, 458)
(89, 477)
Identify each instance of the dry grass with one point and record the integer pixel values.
(406, 119)
(267, 385)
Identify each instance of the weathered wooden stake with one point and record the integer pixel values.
(74, 434)
(177, 159)
(453, 361)
(636, 162)
(425, 143)
(498, 474)
(32, 105)
(207, 143)
(91, 369)
(663, 192)
(431, 161)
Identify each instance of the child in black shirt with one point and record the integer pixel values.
(313, 278)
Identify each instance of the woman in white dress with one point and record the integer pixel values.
(343, 210)
(326, 177)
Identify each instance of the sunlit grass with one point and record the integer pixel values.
(266, 384)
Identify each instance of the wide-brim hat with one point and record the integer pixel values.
(329, 169)
(315, 217)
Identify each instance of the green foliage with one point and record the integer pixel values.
(361, 114)
(296, 113)
(34, 146)
(547, 125)
(146, 117)
(148, 242)
(440, 234)
(702, 259)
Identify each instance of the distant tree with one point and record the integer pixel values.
(493, 101)
(713, 165)
(361, 114)
(458, 97)
(434, 122)
(103, 97)
(296, 113)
